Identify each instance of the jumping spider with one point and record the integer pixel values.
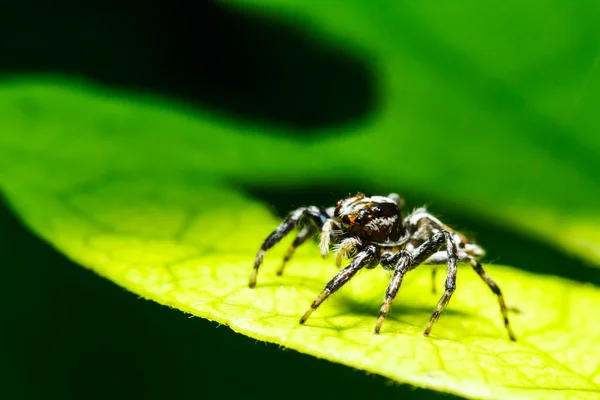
(371, 231)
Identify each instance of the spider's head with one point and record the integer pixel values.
(375, 219)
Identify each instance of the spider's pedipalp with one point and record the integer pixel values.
(346, 249)
(326, 232)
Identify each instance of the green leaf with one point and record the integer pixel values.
(98, 177)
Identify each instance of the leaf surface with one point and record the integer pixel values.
(97, 176)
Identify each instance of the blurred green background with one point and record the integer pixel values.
(75, 335)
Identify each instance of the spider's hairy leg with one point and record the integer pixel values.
(401, 263)
(361, 260)
(441, 257)
(492, 285)
(423, 252)
(317, 217)
(306, 232)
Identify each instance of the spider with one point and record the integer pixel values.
(371, 231)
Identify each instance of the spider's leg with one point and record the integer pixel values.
(317, 216)
(361, 260)
(306, 232)
(441, 257)
(450, 280)
(488, 279)
(401, 263)
(426, 250)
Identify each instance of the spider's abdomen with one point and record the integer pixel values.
(375, 219)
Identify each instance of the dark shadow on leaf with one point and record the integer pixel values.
(244, 65)
(349, 305)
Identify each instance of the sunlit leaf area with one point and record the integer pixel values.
(143, 162)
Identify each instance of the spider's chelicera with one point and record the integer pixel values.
(371, 231)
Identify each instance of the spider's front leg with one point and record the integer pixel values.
(362, 259)
(427, 249)
(318, 218)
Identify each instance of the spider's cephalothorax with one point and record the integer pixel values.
(372, 231)
(374, 218)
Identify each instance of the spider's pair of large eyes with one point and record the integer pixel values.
(363, 215)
